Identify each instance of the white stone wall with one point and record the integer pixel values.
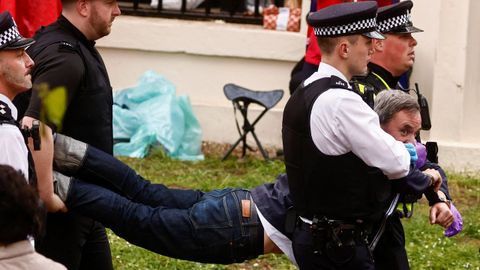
(201, 57)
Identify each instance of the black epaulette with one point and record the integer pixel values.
(65, 46)
(6, 115)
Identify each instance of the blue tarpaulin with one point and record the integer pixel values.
(150, 114)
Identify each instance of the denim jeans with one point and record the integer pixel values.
(185, 224)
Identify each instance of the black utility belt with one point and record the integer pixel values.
(332, 228)
(336, 223)
(336, 238)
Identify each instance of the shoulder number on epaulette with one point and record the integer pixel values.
(66, 47)
(5, 114)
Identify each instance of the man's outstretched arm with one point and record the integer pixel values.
(43, 159)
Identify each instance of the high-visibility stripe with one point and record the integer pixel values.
(381, 79)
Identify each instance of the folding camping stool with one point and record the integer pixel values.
(241, 98)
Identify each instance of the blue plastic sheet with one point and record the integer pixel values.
(150, 114)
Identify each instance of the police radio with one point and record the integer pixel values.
(34, 133)
(424, 112)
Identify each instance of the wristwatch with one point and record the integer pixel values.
(445, 200)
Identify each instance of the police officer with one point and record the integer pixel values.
(15, 78)
(395, 54)
(66, 56)
(392, 57)
(332, 139)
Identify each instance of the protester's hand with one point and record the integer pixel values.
(412, 151)
(436, 178)
(441, 214)
(55, 204)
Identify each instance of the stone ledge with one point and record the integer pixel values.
(204, 38)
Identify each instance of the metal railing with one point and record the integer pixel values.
(233, 11)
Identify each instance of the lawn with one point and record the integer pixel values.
(426, 245)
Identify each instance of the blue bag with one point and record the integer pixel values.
(150, 114)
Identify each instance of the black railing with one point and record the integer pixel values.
(234, 11)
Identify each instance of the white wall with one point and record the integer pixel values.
(200, 57)
(201, 60)
(456, 107)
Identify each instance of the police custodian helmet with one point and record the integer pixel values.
(396, 19)
(346, 19)
(10, 38)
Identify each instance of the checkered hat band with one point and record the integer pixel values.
(9, 35)
(394, 22)
(354, 27)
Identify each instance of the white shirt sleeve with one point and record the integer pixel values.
(341, 122)
(14, 150)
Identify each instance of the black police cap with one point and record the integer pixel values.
(10, 38)
(396, 18)
(346, 19)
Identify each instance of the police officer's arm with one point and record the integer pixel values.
(55, 69)
(355, 127)
(43, 165)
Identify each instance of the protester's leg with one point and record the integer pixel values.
(90, 164)
(96, 251)
(213, 230)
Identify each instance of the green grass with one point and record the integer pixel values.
(426, 245)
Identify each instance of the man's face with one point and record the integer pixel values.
(102, 14)
(399, 52)
(404, 126)
(15, 68)
(359, 55)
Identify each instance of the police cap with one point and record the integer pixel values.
(346, 19)
(396, 18)
(10, 38)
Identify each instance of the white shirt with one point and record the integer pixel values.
(341, 122)
(12, 145)
(282, 242)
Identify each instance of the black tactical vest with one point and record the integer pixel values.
(7, 119)
(89, 115)
(338, 187)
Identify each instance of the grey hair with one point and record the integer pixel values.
(390, 102)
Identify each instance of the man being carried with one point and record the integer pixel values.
(221, 226)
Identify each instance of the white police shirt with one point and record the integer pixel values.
(341, 122)
(12, 145)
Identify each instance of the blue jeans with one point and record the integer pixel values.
(185, 224)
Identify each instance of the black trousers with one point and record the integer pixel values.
(78, 242)
(308, 259)
(390, 253)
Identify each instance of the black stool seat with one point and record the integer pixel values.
(267, 99)
(241, 98)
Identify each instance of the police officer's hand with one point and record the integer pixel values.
(55, 204)
(441, 214)
(412, 151)
(436, 178)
